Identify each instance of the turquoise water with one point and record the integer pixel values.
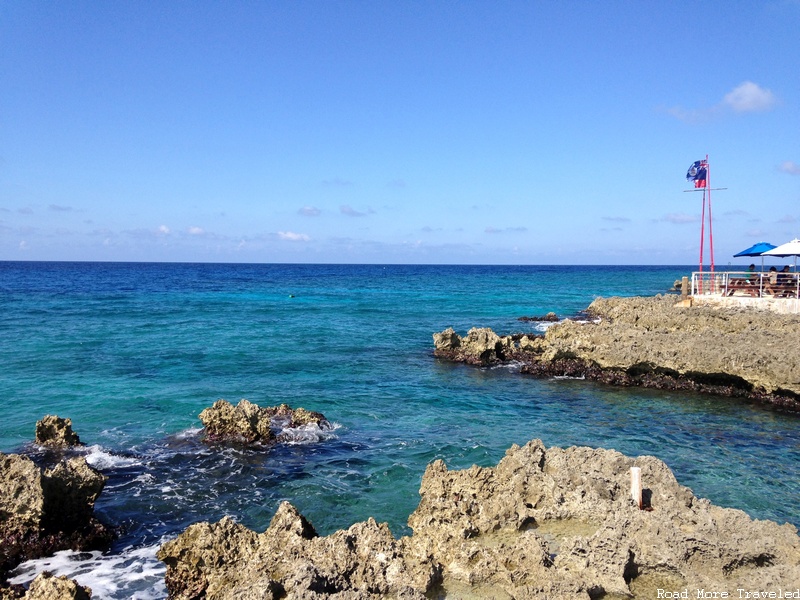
(133, 352)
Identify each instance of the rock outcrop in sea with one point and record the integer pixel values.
(50, 507)
(652, 342)
(543, 523)
(54, 432)
(252, 424)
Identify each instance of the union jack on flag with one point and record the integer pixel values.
(698, 173)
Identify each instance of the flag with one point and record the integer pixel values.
(698, 173)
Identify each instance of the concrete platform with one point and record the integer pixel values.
(778, 305)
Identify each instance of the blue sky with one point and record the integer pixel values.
(396, 132)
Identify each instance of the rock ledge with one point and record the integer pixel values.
(654, 343)
(543, 523)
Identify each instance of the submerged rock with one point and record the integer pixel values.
(543, 523)
(550, 317)
(652, 342)
(249, 423)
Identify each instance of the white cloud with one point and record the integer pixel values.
(293, 237)
(744, 98)
(688, 115)
(309, 211)
(749, 97)
(196, 231)
(790, 167)
(756, 233)
(679, 218)
(348, 210)
(736, 213)
(163, 229)
(491, 229)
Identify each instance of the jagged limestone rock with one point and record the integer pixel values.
(543, 523)
(480, 346)
(650, 341)
(246, 422)
(21, 495)
(55, 432)
(48, 587)
(249, 423)
(46, 510)
(225, 560)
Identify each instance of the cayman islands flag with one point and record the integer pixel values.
(698, 173)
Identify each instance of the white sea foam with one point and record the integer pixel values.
(512, 365)
(309, 433)
(133, 573)
(188, 433)
(100, 459)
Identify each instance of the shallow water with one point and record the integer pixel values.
(133, 352)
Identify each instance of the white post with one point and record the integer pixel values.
(636, 485)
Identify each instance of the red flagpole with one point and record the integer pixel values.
(705, 184)
(710, 232)
(702, 231)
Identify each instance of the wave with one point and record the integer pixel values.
(101, 459)
(309, 434)
(134, 573)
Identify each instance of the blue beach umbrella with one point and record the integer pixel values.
(757, 250)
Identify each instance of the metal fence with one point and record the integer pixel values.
(746, 283)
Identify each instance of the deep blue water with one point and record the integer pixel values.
(133, 352)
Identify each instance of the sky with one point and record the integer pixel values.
(471, 132)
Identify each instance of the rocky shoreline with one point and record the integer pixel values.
(47, 498)
(46, 506)
(544, 523)
(654, 342)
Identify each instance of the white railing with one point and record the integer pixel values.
(745, 283)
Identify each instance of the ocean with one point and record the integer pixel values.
(133, 352)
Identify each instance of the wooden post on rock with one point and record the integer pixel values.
(636, 485)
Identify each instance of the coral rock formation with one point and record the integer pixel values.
(543, 523)
(48, 587)
(54, 432)
(44, 510)
(652, 342)
(249, 423)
